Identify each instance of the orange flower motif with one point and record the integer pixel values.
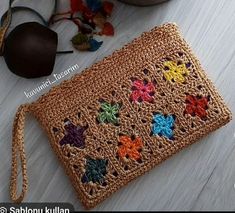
(130, 148)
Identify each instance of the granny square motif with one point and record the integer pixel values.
(125, 114)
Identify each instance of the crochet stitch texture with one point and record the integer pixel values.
(129, 112)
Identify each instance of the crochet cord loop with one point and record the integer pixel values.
(18, 151)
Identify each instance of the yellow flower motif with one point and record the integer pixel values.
(176, 72)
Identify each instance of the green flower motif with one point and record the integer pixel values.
(108, 113)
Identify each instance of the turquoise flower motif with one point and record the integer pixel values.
(163, 125)
(95, 170)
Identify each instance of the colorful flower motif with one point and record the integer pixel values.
(163, 125)
(175, 72)
(129, 147)
(95, 170)
(109, 113)
(74, 136)
(142, 91)
(94, 5)
(196, 105)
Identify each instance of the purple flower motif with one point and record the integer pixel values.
(74, 136)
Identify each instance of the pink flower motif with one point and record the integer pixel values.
(142, 91)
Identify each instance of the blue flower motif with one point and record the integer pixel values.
(163, 125)
(94, 5)
(94, 45)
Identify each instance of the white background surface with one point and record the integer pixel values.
(201, 177)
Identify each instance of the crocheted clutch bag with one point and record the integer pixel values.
(124, 115)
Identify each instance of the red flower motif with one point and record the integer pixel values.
(196, 106)
(142, 91)
(107, 29)
(108, 7)
(76, 5)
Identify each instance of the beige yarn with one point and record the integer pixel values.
(78, 100)
(3, 30)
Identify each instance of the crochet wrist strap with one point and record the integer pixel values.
(18, 151)
(4, 27)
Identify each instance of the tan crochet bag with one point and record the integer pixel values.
(124, 115)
